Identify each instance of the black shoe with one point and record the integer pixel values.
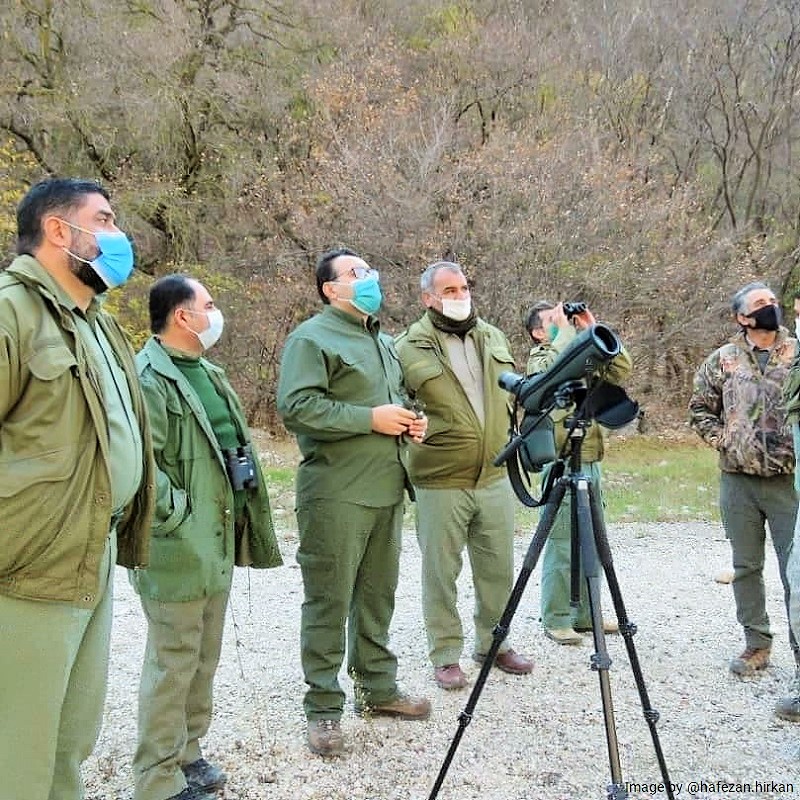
(204, 777)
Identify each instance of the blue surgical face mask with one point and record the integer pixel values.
(367, 295)
(114, 263)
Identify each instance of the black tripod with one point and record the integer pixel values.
(590, 543)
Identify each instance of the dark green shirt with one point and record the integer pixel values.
(334, 370)
(217, 409)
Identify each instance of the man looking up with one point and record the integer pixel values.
(212, 511)
(76, 483)
(341, 392)
(737, 407)
(551, 332)
(452, 359)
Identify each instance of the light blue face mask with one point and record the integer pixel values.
(114, 264)
(367, 295)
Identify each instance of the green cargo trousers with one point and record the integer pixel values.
(349, 556)
(53, 676)
(184, 641)
(746, 502)
(448, 521)
(557, 564)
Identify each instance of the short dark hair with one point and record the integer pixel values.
(43, 198)
(325, 271)
(166, 294)
(534, 316)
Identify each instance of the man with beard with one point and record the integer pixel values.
(451, 361)
(76, 483)
(737, 407)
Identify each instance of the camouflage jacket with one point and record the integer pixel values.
(791, 392)
(739, 409)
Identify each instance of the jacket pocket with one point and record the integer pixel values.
(18, 474)
(416, 375)
(501, 355)
(39, 438)
(51, 362)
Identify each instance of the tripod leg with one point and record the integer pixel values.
(627, 629)
(501, 629)
(600, 660)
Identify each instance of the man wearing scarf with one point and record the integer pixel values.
(737, 407)
(451, 360)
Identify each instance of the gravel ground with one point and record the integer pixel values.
(537, 736)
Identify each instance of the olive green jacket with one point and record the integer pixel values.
(197, 538)
(541, 358)
(55, 492)
(334, 369)
(457, 451)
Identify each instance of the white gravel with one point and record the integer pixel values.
(538, 736)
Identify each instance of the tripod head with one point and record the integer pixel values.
(531, 444)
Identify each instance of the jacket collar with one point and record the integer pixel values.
(30, 272)
(161, 362)
(424, 334)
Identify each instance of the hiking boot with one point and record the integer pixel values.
(750, 661)
(202, 776)
(510, 661)
(325, 737)
(450, 676)
(609, 626)
(402, 706)
(788, 707)
(563, 635)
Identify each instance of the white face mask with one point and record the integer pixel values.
(457, 310)
(797, 327)
(210, 336)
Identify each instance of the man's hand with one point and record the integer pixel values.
(583, 320)
(394, 420)
(558, 317)
(418, 428)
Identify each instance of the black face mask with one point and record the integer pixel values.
(766, 318)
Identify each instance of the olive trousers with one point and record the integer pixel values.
(184, 641)
(450, 521)
(349, 556)
(556, 610)
(53, 678)
(747, 503)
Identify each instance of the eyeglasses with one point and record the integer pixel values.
(359, 273)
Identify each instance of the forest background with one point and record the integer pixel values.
(637, 155)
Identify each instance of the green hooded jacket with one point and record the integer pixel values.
(457, 451)
(196, 538)
(55, 491)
